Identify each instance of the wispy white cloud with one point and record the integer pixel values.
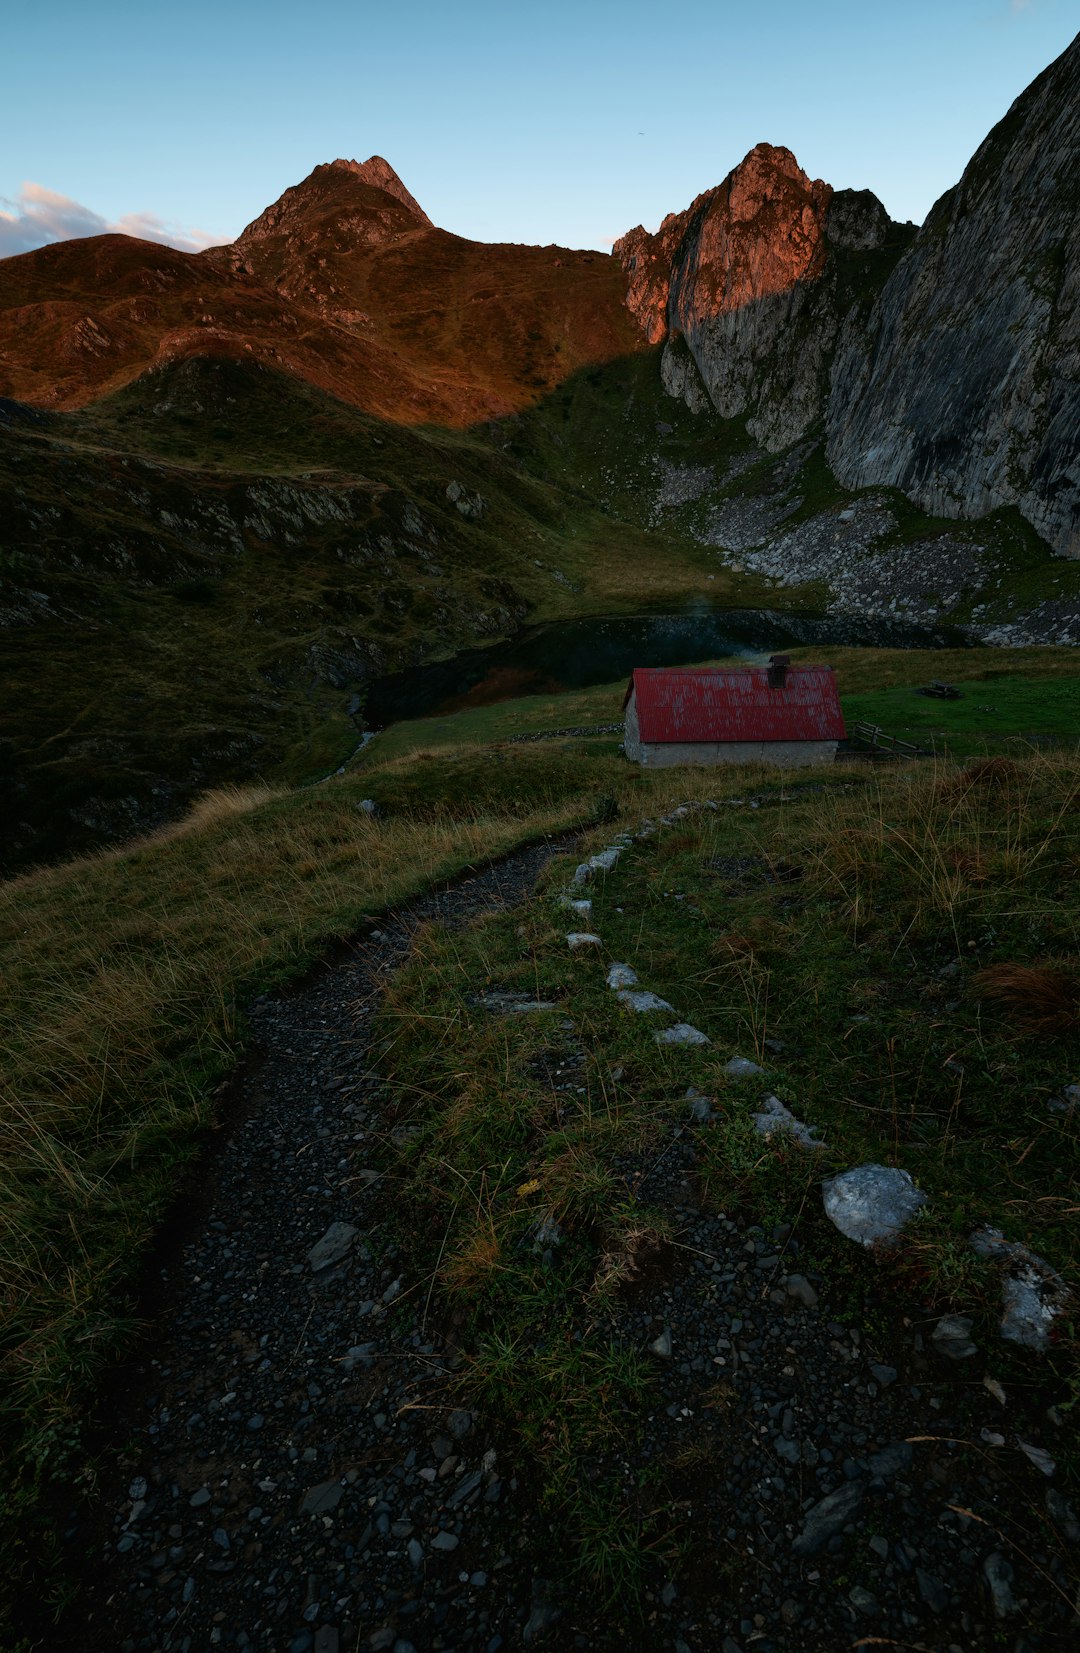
(39, 216)
(1021, 5)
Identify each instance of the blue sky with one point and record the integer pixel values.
(563, 120)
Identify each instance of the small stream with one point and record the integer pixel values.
(574, 654)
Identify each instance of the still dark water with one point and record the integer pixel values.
(577, 653)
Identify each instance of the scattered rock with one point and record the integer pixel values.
(827, 1518)
(604, 861)
(662, 1345)
(582, 938)
(933, 1592)
(577, 904)
(773, 1117)
(1038, 1456)
(999, 1576)
(643, 1002)
(951, 1337)
(799, 1287)
(514, 1004)
(1032, 1293)
(682, 1034)
(322, 1499)
(871, 1203)
(740, 1068)
(1062, 1515)
(621, 975)
(891, 1460)
(699, 1106)
(334, 1245)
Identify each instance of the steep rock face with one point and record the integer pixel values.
(753, 279)
(963, 388)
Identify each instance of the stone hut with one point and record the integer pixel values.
(779, 713)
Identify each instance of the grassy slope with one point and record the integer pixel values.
(175, 659)
(851, 925)
(125, 982)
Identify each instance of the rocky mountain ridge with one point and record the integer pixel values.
(945, 363)
(748, 289)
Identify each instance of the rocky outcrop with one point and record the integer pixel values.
(749, 286)
(334, 184)
(963, 386)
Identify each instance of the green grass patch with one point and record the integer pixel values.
(846, 934)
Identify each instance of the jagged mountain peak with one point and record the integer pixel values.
(368, 191)
(377, 172)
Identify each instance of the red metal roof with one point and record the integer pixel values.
(721, 705)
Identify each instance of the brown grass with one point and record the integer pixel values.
(1038, 999)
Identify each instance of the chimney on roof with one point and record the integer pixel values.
(778, 665)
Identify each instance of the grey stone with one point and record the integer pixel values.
(740, 1068)
(1062, 1515)
(1037, 1455)
(884, 1374)
(460, 1423)
(871, 1203)
(445, 1541)
(604, 861)
(580, 905)
(199, 1499)
(828, 1517)
(322, 1499)
(774, 1117)
(582, 938)
(891, 1460)
(999, 1576)
(951, 1338)
(334, 1245)
(662, 1345)
(1032, 1293)
(699, 1106)
(932, 1591)
(682, 1034)
(642, 1002)
(799, 1287)
(863, 1601)
(621, 975)
(369, 806)
(361, 1354)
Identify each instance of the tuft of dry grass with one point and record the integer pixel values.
(1038, 999)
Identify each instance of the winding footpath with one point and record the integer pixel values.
(287, 1469)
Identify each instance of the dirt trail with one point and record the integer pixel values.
(290, 1472)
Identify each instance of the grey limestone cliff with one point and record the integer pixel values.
(962, 387)
(749, 286)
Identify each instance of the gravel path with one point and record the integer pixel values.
(290, 1473)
